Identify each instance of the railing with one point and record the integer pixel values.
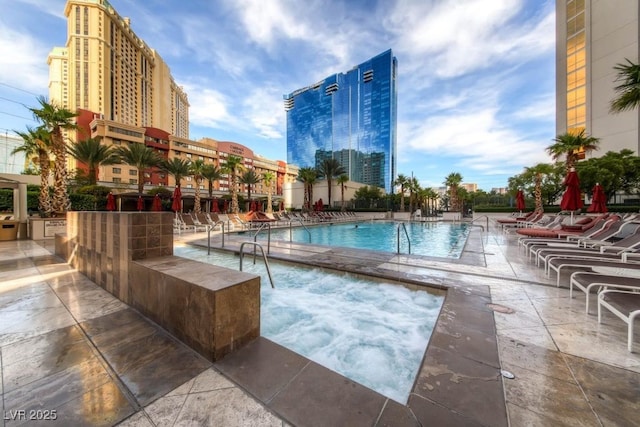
(480, 217)
(406, 234)
(303, 226)
(255, 236)
(209, 228)
(264, 257)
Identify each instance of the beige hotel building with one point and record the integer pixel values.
(125, 94)
(592, 36)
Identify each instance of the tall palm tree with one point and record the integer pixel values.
(308, 177)
(212, 174)
(176, 167)
(250, 178)
(267, 179)
(139, 156)
(329, 169)
(232, 167)
(56, 119)
(413, 186)
(196, 169)
(402, 181)
(571, 145)
(37, 143)
(342, 180)
(538, 172)
(432, 197)
(453, 181)
(93, 154)
(629, 88)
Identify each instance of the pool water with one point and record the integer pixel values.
(445, 240)
(372, 332)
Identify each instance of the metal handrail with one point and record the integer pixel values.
(209, 228)
(264, 257)
(303, 226)
(255, 236)
(480, 217)
(406, 234)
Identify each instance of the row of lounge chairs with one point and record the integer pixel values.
(604, 252)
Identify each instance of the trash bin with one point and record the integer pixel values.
(8, 230)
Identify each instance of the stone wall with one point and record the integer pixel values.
(130, 254)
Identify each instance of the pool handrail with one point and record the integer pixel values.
(264, 257)
(480, 217)
(255, 236)
(303, 226)
(211, 227)
(406, 234)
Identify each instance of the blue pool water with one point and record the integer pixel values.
(439, 239)
(372, 332)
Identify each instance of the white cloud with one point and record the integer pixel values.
(208, 107)
(54, 8)
(24, 60)
(265, 112)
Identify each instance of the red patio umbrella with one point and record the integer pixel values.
(225, 207)
(111, 202)
(598, 201)
(157, 203)
(253, 206)
(320, 205)
(140, 205)
(571, 200)
(176, 205)
(281, 205)
(520, 205)
(214, 206)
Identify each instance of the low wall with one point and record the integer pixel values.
(130, 254)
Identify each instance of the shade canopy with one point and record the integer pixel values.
(571, 200)
(157, 203)
(598, 201)
(176, 205)
(111, 202)
(520, 205)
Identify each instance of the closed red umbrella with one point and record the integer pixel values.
(571, 200)
(157, 204)
(281, 205)
(598, 201)
(111, 202)
(225, 207)
(176, 205)
(215, 207)
(140, 205)
(253, 206)
(520, 205)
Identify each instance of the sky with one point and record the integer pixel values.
(476, 78)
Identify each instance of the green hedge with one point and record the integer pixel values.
(79, 202)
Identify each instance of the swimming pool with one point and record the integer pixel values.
(439, 239)
(372, 332)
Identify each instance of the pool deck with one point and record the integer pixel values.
(71, 350)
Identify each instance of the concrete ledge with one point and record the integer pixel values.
(212, 309)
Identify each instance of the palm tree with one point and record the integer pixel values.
(342, 180)
(413, 186)
(329, 169)
(308, 177)
(37, 143)
(196, 170)
(250, 178)
(55, 119)
(452, 181)
(231, 168)
(402, 181)
(538, 171)
(431, 196)
(212, 174)
(629, 88)
(571, 145)
(267, 180)
(93, 154)
(139, 156)
(176, 167)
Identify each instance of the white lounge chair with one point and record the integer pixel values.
(624, 303)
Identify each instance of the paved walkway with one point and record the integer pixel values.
(70, 351)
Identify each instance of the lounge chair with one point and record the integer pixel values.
(624, 303)
(586, 264)
(189, 222)
(558, 237)
(587, 281)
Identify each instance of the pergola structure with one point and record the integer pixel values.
(19, 185)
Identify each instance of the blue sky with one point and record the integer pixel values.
(476, 78)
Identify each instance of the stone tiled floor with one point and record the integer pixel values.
(66, 345)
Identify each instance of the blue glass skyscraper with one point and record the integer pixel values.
(350, 117)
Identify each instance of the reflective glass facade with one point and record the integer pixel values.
(351, 117)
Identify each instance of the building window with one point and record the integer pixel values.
(133, 172)
(116, 170)
(117, 180)
(133, 181)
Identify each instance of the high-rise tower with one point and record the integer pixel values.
(106, 68)
(350, 117)
(592, 36)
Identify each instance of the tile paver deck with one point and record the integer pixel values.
(68, 346)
